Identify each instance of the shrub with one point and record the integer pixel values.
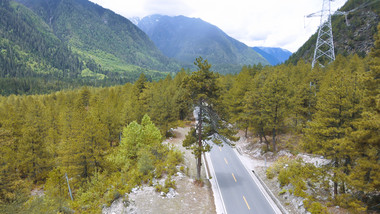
(314, 207)
(145, 163)
(169, 183)
(283, 191)
(160, 188)
(350, 202)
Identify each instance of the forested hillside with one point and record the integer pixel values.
(36, 59)
(103, 139)
(30, 52)
(337, 118)
(185, 39)
(78, 133)
(110, 39)
(356, 38)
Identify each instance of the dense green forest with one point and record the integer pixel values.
(90, 134)
(110, 39)
(332, 112)
(108, 140)
(35, 60)
(102, 140)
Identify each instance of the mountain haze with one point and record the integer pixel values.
(274, 56)
(185, 38)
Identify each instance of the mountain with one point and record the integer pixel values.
(357, 37)
(185, 39)
(100, 34)
(274, 56)
(32, 58)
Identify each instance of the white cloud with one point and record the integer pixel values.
(275, 23)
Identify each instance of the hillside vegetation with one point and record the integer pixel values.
(41, 54)
(78, 133)
(337, 118)
(105, 141)
(357, 38)
(102, 138)
(100, 33)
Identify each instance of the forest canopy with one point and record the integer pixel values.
(108, 140)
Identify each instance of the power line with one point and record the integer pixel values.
(324, 48)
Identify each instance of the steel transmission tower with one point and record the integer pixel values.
(324, 49)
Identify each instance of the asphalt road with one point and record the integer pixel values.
(239, 191)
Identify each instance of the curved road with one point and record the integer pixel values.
(239, 191)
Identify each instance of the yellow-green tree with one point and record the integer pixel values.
(204, 91)
(35, 161)
(234, 100)
(338, 105)
(275, 98)
(366, 176)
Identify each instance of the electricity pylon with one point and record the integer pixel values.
(324, 48)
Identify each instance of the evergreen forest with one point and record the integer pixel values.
(35, 57)
(105, 140)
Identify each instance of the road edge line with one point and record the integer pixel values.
(278, 208)
(215, 185)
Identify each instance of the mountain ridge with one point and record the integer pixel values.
(184, 39)
(274, 55)
(47, 51)
(87, 27)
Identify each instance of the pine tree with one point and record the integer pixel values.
(35, 158)
(302, 99)
(254, 106)
(11, 185)
(181, 98)
(136, 138)
(204, 91)
(110, 110)
(234, 100)
(337, 108)
(275, 99)
(162, 107)
(366, 176)
(138, 105)
(56, 190)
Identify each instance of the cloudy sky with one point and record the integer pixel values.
(269, 23)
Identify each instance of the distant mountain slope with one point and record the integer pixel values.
(32, 58)
(99, 33)
(274, 56)
(186, 38)
(357, 38)
(26, 41)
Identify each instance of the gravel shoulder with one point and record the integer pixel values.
(254, 159)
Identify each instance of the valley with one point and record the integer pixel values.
(169, 114)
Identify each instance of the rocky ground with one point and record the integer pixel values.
(254, 158)
(187, 198)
